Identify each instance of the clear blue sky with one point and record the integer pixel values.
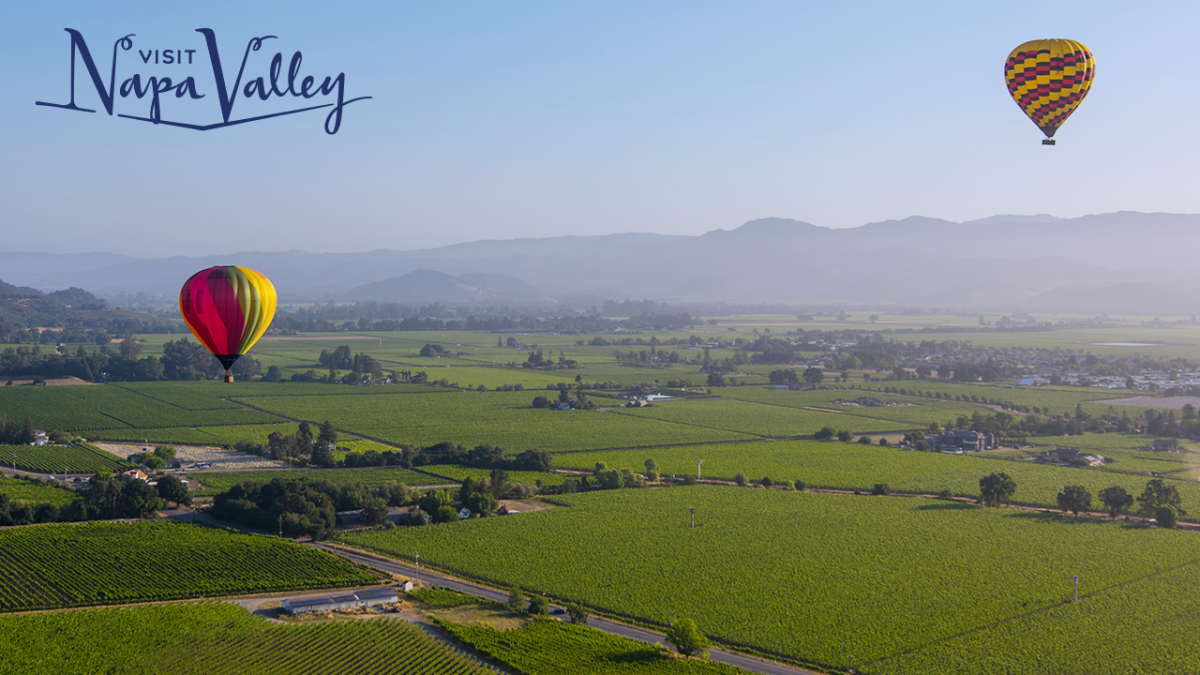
(510, 119)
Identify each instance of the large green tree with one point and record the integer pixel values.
(1156, 494)
(687, 639)
(997, 488)
(1074, 498)
(1116, 499)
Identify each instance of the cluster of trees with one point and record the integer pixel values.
(181, 360)
(303, 448)
(373, 316)
(1158, 499)
(27, 513)
(108, 497)
(812, 376)
(155, 459)
(123, 496)
(300, 506)
(12, 433)
(1078, 423)
(539, 605)
(578, 402)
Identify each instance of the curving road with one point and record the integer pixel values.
(390, 565)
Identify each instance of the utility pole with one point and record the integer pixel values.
(281, 526)
(693, 510)
(698, 463)
(417, 555)
(1076, 588)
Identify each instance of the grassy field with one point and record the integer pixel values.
(549, 647)
(867, 578)
(217, 639)
(111, 563)
(24, 491)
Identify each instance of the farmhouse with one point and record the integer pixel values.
(1164, 445)
(1069, 457)
(40, 437)
(334, 603)
(962, 439)
(354, 517)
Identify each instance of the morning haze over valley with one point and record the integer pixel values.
(526, 339)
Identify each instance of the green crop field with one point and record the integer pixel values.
(218, 436)
(217, 639)
(505, 419)
(1148, 627)
(850, 466)
(460, 473)
(1058, 399)
(220, 481)
(80, 458)
(549, 647)
(110, 563)
(755, 418)
(918, 412)
(850, 580)
(23, 490)
(79, 409)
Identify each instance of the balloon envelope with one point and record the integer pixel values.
(228, 308)
(1049, 79)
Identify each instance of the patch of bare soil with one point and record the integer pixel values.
(50, 381)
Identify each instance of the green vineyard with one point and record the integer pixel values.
(48, 566)
(217, 639)
(549, 647)
(867, 578)
(79, 458)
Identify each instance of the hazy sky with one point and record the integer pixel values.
(494, 120)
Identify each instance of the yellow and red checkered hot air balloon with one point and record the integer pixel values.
(228, 308)
(1049, 79)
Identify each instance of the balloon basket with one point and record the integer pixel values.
(1048, 141)
(229, 377)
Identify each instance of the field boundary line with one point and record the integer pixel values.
(1026, 615)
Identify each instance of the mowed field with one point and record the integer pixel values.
(839, 580)
(217, 639)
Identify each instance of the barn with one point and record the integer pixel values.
(333, 603)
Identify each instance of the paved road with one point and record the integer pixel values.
(615, 627)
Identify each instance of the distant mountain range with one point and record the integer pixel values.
(1117, 262)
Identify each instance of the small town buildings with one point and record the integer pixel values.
(136, 473)
(333, 603)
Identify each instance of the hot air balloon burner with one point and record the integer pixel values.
(1048, 141)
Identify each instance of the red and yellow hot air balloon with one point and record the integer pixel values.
(1049, 79)
(228, 308)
